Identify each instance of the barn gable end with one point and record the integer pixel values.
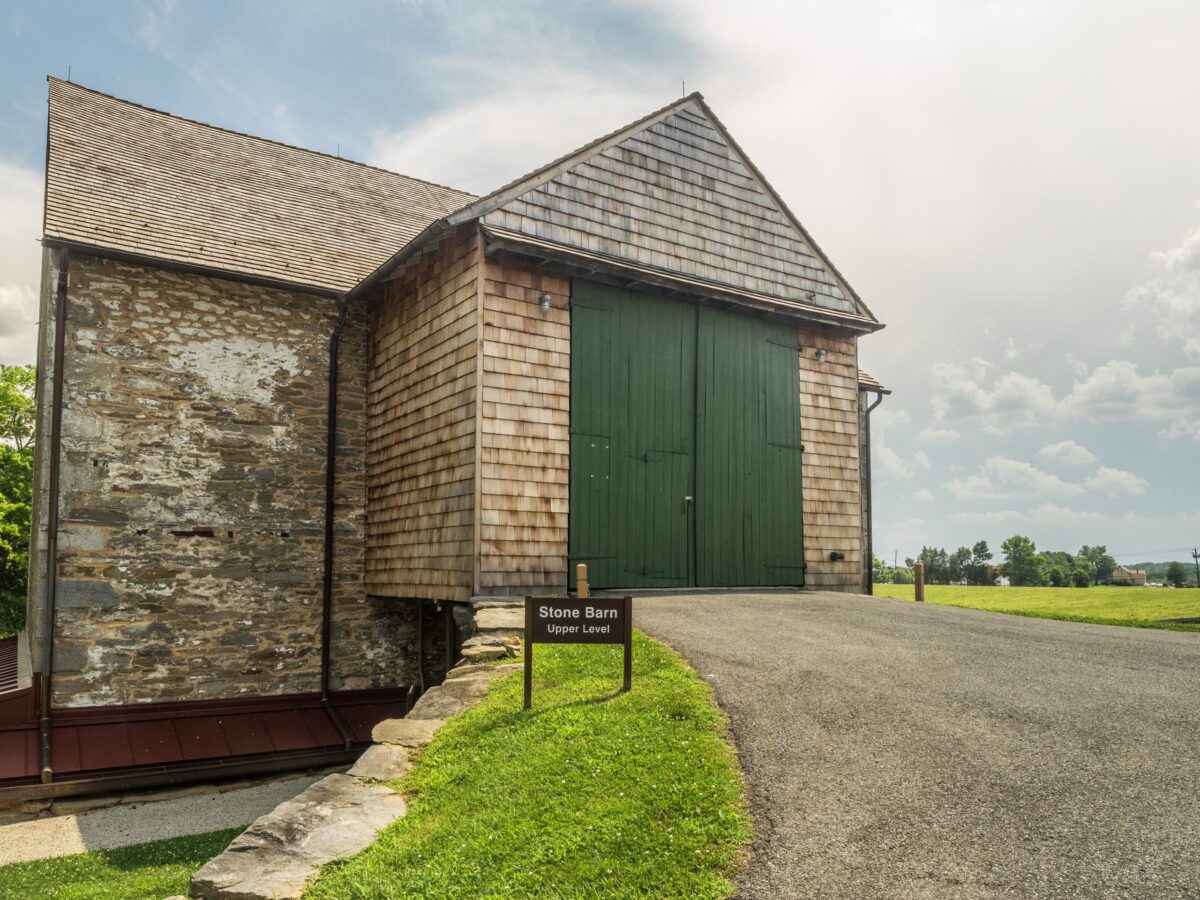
(675, 195)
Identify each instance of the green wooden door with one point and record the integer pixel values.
(749, 528)
(632, 437)
(670, 401)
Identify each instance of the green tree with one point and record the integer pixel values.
(1022, 565)
(16, 491)
(958, 565)
(1098, 562)
(937, 565)
(980, 569)
(1177, 574)
(1056, 577)
(1080, 577)
(881, 572)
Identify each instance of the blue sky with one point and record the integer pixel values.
(1012, 187)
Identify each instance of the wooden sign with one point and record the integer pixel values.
(568, 620)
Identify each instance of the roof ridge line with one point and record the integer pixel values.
(256, 137)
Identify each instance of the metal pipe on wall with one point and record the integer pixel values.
(330, 502)
(54, 454)
(870, 501)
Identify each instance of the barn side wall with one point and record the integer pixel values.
(421, 414)
(831, 480)
(192, 494)
(524, 431)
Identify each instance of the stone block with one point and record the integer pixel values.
(280, 854)
(468, 670)
(73, 594)
(382, 762)
(70, 806)
(451, 697)
(485, 653)
(406, 732)
(500, 621)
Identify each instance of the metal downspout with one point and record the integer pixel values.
(330, 472)
(55, 452)
(871, 504)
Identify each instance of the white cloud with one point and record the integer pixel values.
(1068, 452)
(1117, 483)
(934, 435)
(924, 495)
(1173, 295)
(1014, 473)
(1045, 515)
(975, 487)
(1117, 392)
(20, 263)
(921, 459)
(1113, 392)
(999, 478)
(1129, 527)
(1012, 401)
(1077, 366)
(884, 419)
(891, 465)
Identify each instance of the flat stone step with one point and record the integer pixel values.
(281, 853)
(406, 732)
(504, 621)
(382, 762)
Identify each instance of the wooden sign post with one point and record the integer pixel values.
(563, 620)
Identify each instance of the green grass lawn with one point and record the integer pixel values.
(1137, 606)
(152, 871)
(592, 793)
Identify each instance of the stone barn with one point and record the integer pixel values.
(295, 410)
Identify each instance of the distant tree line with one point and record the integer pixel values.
(1023, 565)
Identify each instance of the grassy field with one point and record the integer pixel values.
(151, 871)
(592, 793)
(1136, 606)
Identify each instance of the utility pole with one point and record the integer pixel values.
(1196, 557)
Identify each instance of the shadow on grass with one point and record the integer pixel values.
(193, 850)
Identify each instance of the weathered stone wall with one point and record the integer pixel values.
(192, 492)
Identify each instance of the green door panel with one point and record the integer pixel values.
(671, 401)
(748, 503)
(632, 387)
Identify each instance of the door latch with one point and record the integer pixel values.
(688, 501)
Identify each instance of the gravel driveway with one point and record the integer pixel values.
(902, 750)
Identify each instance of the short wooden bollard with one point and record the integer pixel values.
(919, 581)
(581, 582)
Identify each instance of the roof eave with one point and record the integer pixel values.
(192, 268)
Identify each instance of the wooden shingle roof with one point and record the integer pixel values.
(132, 180)
(868, 382)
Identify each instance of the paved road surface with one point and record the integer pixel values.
(902, 750)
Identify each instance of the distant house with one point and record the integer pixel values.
(297, 412)
(1126, 576)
